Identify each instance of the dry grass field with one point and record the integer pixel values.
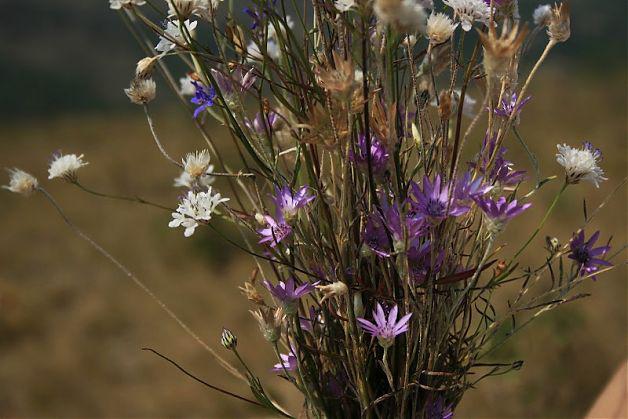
(72, 327)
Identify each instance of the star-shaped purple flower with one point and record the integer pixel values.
(509, 106)
(288, 294)
(468, 188)
(500, 211)
(288, 203)
(501, 171)
(588, 258)
(288, 363)
(433, 201)
(276, 231)
(204, 97)
(421, 264)
(385, 329)
(263, 124)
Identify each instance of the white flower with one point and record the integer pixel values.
(581, 164)
(196, 206)
(469, 11)
(185, 8)
(21, 182)
(184, 180)
(344, 5)
(141, 91)
(440, 28)
(542, 15)
(196, 164)
(272, 49)
(65, 166)
(404, 15)
(187, 88)
(173, 33)
(119, 4)
(206, 8)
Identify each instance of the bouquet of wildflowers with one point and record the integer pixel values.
(372, 186)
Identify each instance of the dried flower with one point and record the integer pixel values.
(144, 68)
(440, 28)
(196, 206)
(339, 79)
(586, 256)
(250, 292)
(344, 5)
(500, 50)
(385, 329)
(119, 4)
(141, 91)
(270, 321)
(203, 97)
(499, 212)
(228, 339)
(469, 11)
(65, 166)
(559, 27)
(21, 182)
(542, 15)
(173, 36)
(197, 164)
(403, 15)
(334, 289)
(581, 164)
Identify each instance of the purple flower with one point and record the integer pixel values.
(501, 170)
(276, 231)
(500, 211)
(509, 106)
(468, 188)
(263, 124)
(288, 203)
(238, 81)
(434, 202)
(379, 155)
(379, 230)
(421, 264)
(204, 97)
(288, 294)
(437, 409)
(288, 363)
(385, 329)
(586, 256)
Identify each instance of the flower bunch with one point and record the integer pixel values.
(374, 236)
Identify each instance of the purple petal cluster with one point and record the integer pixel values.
(501, 211)
(434, 202)
(378, 154)
(385, 329)
(509, 106)
(276, 230)
(263, 123)
(422, 262)
(468, 188)
(288, 363)
(437, 409)
(204, 97)
(588, 258)
(501, 171)
(288, 293)
(239, 81)
(288, 202)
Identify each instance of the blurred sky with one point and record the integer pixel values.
(68, 55)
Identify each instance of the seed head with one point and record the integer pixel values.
(335, 289)
(196, 164)
(65, 166)
(499, 50)
(141, 91)
(145, 66)
(559, 28)
(440, 28)
(270, 321)
(21, 182)
(403, 15)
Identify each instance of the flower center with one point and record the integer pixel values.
(435, 208)
(582, 255)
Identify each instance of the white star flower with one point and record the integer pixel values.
(469, 12)
(173, 32)
(65, 166)
(21, 182)
(186, 86)
(581, 163)
(119, 4)
(195, 207)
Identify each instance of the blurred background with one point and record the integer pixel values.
(72, 327)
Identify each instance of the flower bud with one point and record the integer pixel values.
(145, 66)
(559, 28)
(228, 339)
(141, 91)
